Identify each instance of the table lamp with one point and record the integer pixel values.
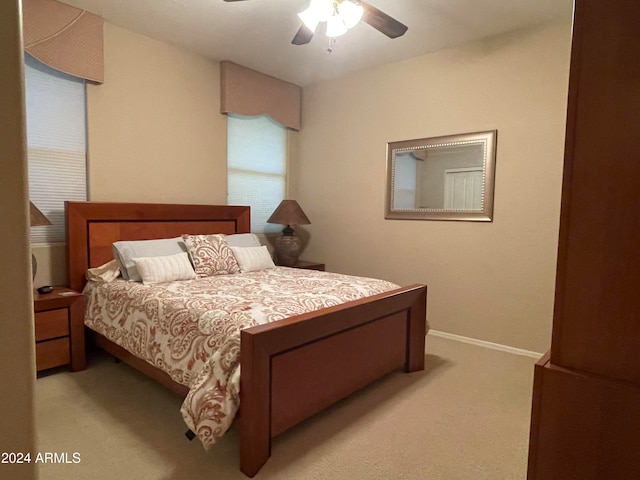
(37, 219)
(288, 245)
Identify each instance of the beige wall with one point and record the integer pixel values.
(155, 131)
(491, 281)
(17, 361)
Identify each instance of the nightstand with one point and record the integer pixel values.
(309, 265)
(58, 340)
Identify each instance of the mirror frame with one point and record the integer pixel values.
(487, 138)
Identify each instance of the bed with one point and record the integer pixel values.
(291, 368)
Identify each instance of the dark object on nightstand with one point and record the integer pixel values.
(45, 289)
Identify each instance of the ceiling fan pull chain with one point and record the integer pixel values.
(331, 41)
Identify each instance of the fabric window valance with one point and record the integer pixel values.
(248, 92)
(63, 37)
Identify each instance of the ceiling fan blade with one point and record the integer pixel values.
(382, 22)
(302, 36)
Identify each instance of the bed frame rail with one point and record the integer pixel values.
(327, 356)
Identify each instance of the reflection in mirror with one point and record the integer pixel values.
(441, 178)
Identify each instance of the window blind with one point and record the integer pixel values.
(56, 144)
(256, 167)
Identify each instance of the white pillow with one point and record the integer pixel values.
(251, 259)
(243, 240)
(104, 273)
(125, 251)
(165, 268)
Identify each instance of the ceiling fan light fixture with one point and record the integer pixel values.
(342, 15)
(310, 19)
(335, 26)
(351, 13)
(323, 9)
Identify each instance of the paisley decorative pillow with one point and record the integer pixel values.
(210, 255)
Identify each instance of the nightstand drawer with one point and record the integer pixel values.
(52, 353)
(52, 324)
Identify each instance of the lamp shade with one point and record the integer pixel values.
(37, 218)
(289, 213)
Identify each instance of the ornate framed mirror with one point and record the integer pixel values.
(442, 178)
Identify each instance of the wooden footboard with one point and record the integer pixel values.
(296, 367)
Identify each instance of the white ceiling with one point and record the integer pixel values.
(258, 33)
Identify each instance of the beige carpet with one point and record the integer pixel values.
(465, 417)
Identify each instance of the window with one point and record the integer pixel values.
(56, 144)
(256, 167)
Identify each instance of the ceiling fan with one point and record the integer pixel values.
(341, 15)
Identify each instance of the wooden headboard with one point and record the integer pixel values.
(93, 226)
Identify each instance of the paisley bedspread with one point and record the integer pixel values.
(191, 329)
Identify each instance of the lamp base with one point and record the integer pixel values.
(287, 250)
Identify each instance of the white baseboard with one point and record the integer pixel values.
(482, 343)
